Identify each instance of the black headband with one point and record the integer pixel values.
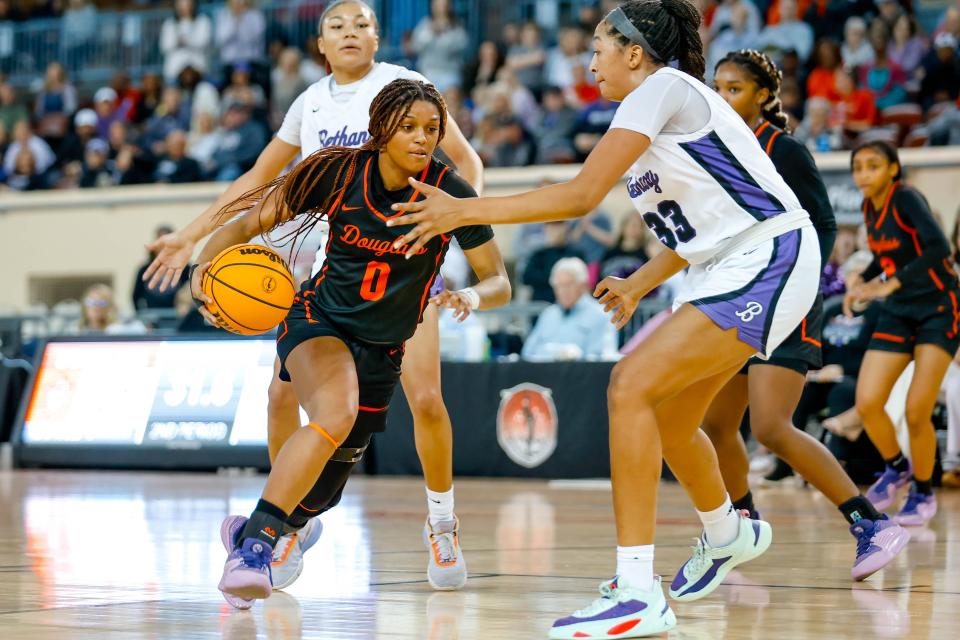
(619, 21)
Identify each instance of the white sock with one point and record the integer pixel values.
(635, 567)
(722, 525)
(440, 505)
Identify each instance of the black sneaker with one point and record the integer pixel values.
(781, 471)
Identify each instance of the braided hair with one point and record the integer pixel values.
(765, 73)
(292, 190)
(670, 26)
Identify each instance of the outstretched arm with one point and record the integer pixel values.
(441, 213)
(173, 250)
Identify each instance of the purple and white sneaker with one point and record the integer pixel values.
(619, 612)
(878, 543)
(246, 573)
(883, 492)
(918, 510)
(709, 565)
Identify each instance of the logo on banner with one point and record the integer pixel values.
(527, 424)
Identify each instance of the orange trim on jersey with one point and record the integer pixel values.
(366, 189)
(805, 337)
(886, 205)
(373, 409)
(913, 232)
(762, 128)
(436, 270)
(956, 314)
(936, 280)
(306, 508)
(423, 176)
(440, 177)
(323, 432)
(280, 337)
(889, 337)
(773, 137)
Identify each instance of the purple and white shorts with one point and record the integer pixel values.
(764, 290)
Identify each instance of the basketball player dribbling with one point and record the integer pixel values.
(342, 343)
(334, 111)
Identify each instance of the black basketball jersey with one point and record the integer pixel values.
(795, 164)
(907, 242)
(366, 287)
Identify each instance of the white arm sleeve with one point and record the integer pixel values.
(663, 103)
(289, 131)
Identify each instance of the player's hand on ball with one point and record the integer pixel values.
(172, 252)
(456, 300)
(615, 295)
(202, 299)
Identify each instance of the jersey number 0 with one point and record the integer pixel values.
(374, 283)
(669, 210)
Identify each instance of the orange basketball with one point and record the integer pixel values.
(251, 288)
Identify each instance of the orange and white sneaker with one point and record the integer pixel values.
(446, 569)
(287, 562)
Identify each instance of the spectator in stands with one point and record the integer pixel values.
(151, 96)
(788, 33)
(501, 139)
(482, 72)
(242, 141)
(945, 128)
(723, 17)
(821, 83)
(949, 22)
(185, 40)
(72, 149)
(907, 48)
(78, 32)
(24, 174)
(96, 172)
(592, 122)
(856, 111)
(522, 101)
(883, 77)
(197, 94)
(440, 42)
(169, 116)
(555, 247)
(99, 314)
(205, 139)
(738, 34)
(286, 84)
(134, 165)
(8, 15)
(118, 136)
(584, 90)
(313, 67)
(555, 129)
(240, 33)
(527, 58)
(105, 104)
(174, 166)
(570, 52)
(528, 239)
(856, 50)
(890, 11)
(629, 252)
(592, 235)
(815, 130)
(791, 98)
(55, 103)
(128, 96)
(241, 90)
(41, 155)
(11, 111)
(941, 72)
(460, 110)
(576, 327)
(829, 17)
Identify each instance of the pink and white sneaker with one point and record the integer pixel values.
(878, 543)
(918, 510)
(883, 492)
(246, 573)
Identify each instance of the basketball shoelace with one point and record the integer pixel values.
(865, 537)
(609, 597)
(699, 558)
(252, 558)
(914, 500)
(446, 546)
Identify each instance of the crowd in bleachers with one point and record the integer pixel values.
(522, 96)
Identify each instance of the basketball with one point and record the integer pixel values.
(251, 288)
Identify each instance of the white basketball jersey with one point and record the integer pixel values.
(696, 191)
(316, 120)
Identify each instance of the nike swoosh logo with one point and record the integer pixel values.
(316, 109)
(432, 500)
(346, 208)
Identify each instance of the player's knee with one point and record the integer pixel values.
(280, 396)
(869, 404)
(427, 406)
(917, 415)
(771, 433)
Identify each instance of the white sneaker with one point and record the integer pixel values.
(620, 612)
(708, 566)
(446, 569)
(287, 562)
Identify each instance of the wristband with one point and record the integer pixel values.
(198, 302)
(472, 297)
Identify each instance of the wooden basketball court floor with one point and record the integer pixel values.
(137, 555)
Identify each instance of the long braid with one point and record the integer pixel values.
(671, 28)
(765, 73)
(292, 190)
